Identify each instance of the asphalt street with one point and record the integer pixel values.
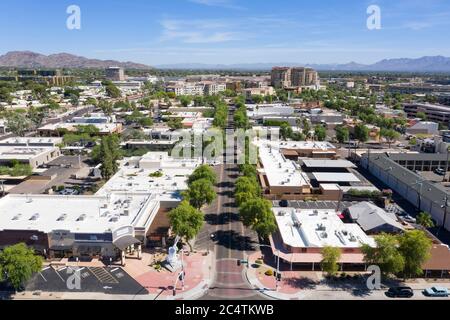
(231, 240)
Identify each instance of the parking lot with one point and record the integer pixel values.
(110, 280)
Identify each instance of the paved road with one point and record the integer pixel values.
(232, 240)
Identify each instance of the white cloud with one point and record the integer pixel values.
(217, 3)
(199, 31)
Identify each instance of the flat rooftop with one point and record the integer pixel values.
(77, 214)
(22, 153)
(301, 228)
(279, 170)
(335, 177)
(302, 145)
(23, 141)
(344, 164)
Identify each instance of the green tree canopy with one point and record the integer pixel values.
(386, 254)
(425, 220)
(257, 214)
(415, 248)
(342, 134)
(320, 133)
(18, 263)
(203, 172)
(200, 192)
(186, 221)
(330, 260)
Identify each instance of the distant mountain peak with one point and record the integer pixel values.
(423, 64)
(29, 59)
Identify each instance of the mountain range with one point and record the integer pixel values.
(423, 64)
(28, 59)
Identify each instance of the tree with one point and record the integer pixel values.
(285, 131)
(320, 133)
(106, 107)
(112, 91)
(18, 263)
(107, 153)
(342, 134)
(385, 255)
(248, 170)
(330, 259)
(200, 192)
(246, 188)
(425, 220)
(185, 101)
(175, 123)
(422, 116)
(361, 133)
(306, 127)
(257, 99)
(415, 248)
(257, 214)
(390, 135)
(203, 172)
(18, 123)
(186, 221)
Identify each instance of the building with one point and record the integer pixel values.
(32, 151)
(434, 112)
(281, 77)
(263, 91)
(373, 219)
(285, 77)
(128, 212)
(302, 235)
(424, 195)
(115, 74)
(423, 127)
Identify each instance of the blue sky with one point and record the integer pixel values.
(228, 31)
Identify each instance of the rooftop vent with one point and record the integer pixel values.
(82, 217)
(34, 217)
(62, 217)
(17, 217)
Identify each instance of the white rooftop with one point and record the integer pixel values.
(279, 170)
(328, 163)
(78, 214)
(335, 177)
(317, 229)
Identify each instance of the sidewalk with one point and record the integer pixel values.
(301, 285)
(159, 284)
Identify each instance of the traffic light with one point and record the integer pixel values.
(239, 263)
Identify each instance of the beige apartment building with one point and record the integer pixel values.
(285, 77)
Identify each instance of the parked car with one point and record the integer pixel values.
(440, 171)
(400, 292)
(284, 204)
(436, 292)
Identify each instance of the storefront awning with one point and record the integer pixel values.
(125, 241)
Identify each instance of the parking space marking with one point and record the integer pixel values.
(103, 276)
(57, 273)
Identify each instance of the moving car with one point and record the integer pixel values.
(400, 292)
(439, 171)
(436, 292)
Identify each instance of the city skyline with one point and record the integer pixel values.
(229, 32)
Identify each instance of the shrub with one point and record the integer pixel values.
(157, 174)
(269, 273)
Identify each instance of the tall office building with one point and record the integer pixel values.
(281, 77)
(115, 74)
(284, 77)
